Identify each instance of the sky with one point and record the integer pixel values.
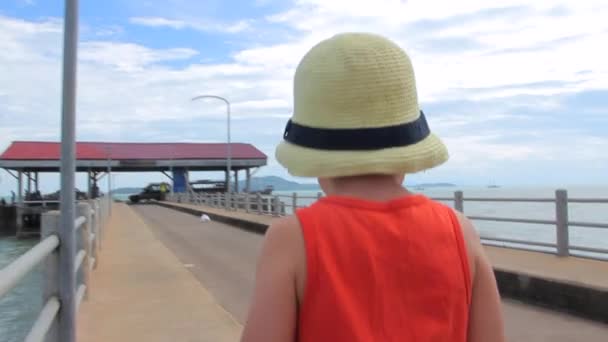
(518, 90)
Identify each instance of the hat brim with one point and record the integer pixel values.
(306, 162)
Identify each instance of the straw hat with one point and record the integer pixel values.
(356, 112)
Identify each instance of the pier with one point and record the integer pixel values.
(166, 275)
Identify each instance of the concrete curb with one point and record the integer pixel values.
(233, 221)
(575, 299)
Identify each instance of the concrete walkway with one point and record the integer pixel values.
(142, 292)
(223, 258)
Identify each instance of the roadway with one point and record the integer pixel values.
(223, 259)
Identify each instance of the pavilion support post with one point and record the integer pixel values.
(19, 218)
(248, 180)
(227, 179)
(236, 181)
(28, 175)
(89, 183)
(20, 187)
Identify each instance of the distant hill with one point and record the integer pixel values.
(278, 183)
(281, 184)
(125, 191)
(432, 185)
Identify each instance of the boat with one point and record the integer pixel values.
(266, 191)
(208, 186)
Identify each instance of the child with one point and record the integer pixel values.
(371, 261)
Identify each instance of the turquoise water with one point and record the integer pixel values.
(20, 307)
(121, 197)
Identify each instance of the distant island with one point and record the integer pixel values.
(126, 191)
(431, 185)
(278, 184)
(281, 184)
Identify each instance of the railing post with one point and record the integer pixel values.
(49, 225)
(294, 202)
(259, 203)
(276, 207)
(247, 202)
(319, 195)
(82, 242)
(95, 231)
(102, 223)
(561, 215)
(459, 201)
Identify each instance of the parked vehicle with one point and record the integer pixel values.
(154, 191)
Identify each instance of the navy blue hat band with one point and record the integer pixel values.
(358, 139)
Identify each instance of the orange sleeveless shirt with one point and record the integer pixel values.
(383, 271)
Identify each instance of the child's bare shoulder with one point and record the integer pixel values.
(471, 240)
(284, 226)
(468, 230)
(285, 233)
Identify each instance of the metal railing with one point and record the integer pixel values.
(277, 205)
(91, 218)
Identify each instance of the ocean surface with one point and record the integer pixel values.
(20, 307)
(588, 237)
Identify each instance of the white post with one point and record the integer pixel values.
(247, 202)
(459, 201)
(49, 225)
(561, 213)
(259, 203)
(95, 231)
(276, 207)
(84, 209)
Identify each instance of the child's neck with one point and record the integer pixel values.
(375, 188)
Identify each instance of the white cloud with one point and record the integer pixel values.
(27, 2)
(128, 56)
(109, 31)
(465, 50)
(204, 26)
(537, 38)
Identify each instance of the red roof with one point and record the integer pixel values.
(29, 150)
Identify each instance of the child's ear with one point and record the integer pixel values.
(325, 184)
(400, 178)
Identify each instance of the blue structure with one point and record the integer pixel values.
(179, 180)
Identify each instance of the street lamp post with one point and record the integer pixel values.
(67, 250)
(229, 148)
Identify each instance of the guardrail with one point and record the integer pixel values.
(277, 205)
(42, 202)
(91, 218)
